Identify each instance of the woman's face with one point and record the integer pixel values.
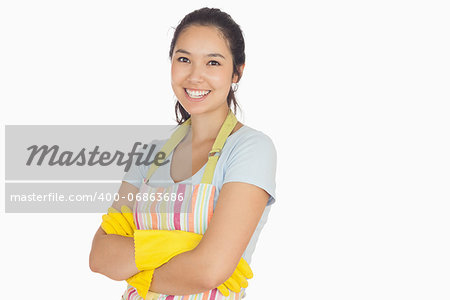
(202, 69)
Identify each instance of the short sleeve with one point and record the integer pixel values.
(253, 160)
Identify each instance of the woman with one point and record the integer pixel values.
(208, 59)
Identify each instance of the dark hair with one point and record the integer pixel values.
(232, 34)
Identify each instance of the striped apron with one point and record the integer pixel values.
(181, 206)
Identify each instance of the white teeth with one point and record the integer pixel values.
(197, 94)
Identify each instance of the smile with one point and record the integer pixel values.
(196, 95)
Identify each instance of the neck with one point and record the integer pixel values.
(205, 127)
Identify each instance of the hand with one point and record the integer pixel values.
(120, 223)
(238, 279)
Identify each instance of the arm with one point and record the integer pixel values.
(113, 255)
(237, 213)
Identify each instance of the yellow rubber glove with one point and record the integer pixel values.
(141, 282)
(154, 248)
(238, 279)
(121, 223)
(168, 243)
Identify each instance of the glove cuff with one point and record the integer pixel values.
(153, 248)
(141, 282)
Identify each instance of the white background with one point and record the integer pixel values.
(354, 94)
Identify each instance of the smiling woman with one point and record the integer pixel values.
(202, 68)
(221, 169)
(213, 46)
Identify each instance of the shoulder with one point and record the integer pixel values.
(248, 139)
(141, 159)
(147, 151)
(248, 150)
(251, 158)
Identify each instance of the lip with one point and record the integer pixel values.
(195, 99)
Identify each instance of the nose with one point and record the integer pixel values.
(196, 74)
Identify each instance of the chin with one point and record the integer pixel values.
(195, 110)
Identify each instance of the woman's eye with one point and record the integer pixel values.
(183, 59)
(214, 63)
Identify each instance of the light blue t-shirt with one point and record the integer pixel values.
(248, 155)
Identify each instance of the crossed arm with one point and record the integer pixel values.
(236, 215)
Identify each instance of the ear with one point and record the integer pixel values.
(236, 78)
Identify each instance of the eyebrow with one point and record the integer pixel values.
(209, 55)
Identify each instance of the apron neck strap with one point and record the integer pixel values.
(213, 156)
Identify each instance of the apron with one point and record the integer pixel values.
(181, 206)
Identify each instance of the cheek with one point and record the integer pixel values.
(177, 73)
(219, 78)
